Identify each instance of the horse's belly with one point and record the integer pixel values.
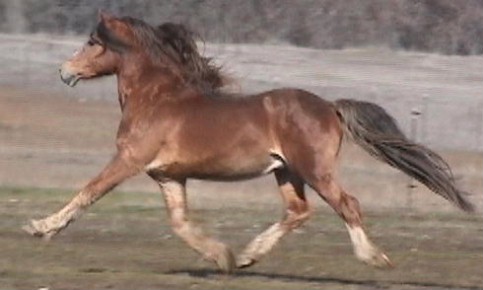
(224, 168)
(239, 169)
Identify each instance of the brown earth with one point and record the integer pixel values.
(125, 242)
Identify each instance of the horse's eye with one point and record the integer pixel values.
(93, 41)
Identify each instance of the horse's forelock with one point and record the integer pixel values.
(109, 39)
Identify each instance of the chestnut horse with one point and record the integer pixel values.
(178, 124)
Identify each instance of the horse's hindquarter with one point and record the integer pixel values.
(308, 131)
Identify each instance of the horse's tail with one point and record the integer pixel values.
(372, 128)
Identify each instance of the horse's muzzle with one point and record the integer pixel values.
(68, 78)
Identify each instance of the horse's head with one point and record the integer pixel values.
(101, 54)
(131, 44)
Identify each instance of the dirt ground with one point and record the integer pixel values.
(124, 242)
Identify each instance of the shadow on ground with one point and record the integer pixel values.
(373, 284)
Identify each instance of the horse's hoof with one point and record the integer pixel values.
(244, 262)
(379, 260)
(384, 262)
(33, 229)
(226, 261)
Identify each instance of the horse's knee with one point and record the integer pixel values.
(180, 226)
(351, 202)
(302, 218)
(296, 217)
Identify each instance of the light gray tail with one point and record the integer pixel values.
(372, 128)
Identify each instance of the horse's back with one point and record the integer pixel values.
(297, 109)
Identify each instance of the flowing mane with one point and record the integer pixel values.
(172, 43)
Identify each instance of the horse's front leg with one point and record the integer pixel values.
(210, 248)
(119, 169)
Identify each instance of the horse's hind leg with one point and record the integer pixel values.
(211, 249)
(297, 211)
(348, 208)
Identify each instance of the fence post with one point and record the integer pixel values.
(479, 142)
(413, 134)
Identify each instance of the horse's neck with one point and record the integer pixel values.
(151, 86)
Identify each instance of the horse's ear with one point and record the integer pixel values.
(114, 30)
(104, 16)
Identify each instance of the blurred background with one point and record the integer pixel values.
(443, 26)
(418, 59)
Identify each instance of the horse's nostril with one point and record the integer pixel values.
(68, 78)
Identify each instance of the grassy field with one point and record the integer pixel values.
(124, 242)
